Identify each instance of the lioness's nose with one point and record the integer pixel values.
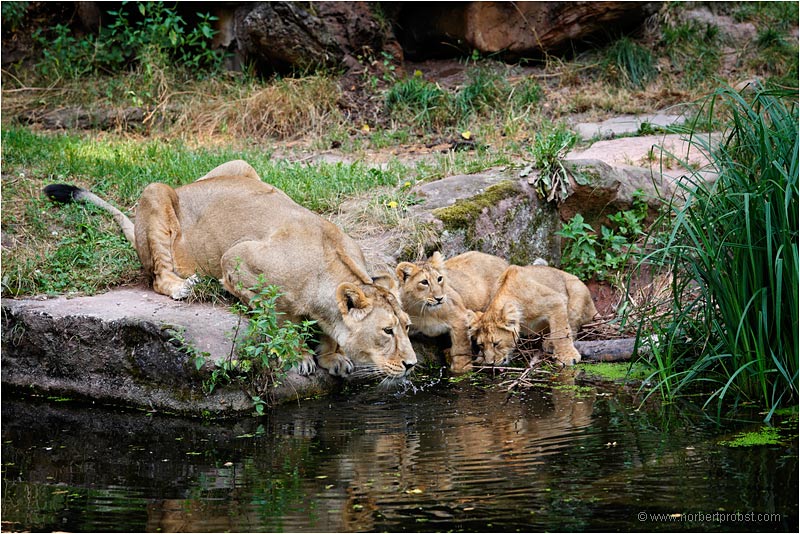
(409, 365)
(439, 300)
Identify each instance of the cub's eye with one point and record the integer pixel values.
(480, 346)
(408, 327)
(388, 330)
(424, 283)
(495, 344)
(440, 279)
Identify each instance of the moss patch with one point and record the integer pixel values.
(461, 214)
(614, 372)
(766, 435)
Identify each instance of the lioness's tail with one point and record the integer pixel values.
(69, 193)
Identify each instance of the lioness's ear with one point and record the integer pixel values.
(437, 261)
(511, 317)
(405, 269)
(386, 280)
(352, 301)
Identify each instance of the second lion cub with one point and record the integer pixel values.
(539, 298)
(437, 294)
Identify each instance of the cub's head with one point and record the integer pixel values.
(422, 285)
(494, 334)
(376, 329)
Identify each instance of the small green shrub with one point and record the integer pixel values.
(158, 39)
(417, 100)
(694, 49)
(548, 149)
(630, 61)
(485, 89)
(588, 254)
(13, 13)
(269, 348)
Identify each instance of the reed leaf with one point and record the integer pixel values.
(732, 246)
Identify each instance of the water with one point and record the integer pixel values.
(455, 457)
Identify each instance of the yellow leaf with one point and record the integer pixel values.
(466, 134)
(414, 491)
(365, 128)
(392, 204)
(417, 73)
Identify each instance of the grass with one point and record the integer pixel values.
(731, 330)
(55, 249)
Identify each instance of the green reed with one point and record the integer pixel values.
(731, 327)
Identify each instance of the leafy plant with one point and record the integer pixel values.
(158, 38)
(548, 149)
(731, 327)
(588, 254)
(13, 13)
(269, 348)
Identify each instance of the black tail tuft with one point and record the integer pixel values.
(62, 192)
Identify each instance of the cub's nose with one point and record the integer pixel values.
(409, 365)
(439, 299)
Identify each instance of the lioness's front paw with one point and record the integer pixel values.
(307, 365)
(336, 364)
(183, 291)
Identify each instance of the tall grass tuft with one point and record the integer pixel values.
(732, 248)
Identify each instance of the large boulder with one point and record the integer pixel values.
(297, 35)
(494, 212)
(510, 29)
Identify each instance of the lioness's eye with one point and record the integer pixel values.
(480, 346)
(440, 279)
(495, 344)
(388, 330)
(424, 282)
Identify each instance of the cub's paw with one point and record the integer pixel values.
(460, 363)
(306, 366)
(336, 364)
(185, 289)
(568, 357)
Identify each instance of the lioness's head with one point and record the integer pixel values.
(422, 285)
(376, 336)
(494, 335)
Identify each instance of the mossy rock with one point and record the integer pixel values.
(464, 212)
(493, 213)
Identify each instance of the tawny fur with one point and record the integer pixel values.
(231, 225)
(436, 294)
(539, 299)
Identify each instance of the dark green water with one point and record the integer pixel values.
(454, 457)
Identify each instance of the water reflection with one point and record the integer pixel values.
(454, 457)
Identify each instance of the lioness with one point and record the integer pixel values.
(437, 294)
(541, 298)
(231, 225)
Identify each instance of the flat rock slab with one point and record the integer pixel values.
(662, 154)
(626, 125)
(131, 347)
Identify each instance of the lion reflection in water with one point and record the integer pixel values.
(463, 447)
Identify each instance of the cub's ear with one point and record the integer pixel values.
(352, 301)
(511, 317)
(405, 269)
(437, 261)
(472, 319)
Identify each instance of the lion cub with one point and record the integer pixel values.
(437, 294)
(539, 298)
